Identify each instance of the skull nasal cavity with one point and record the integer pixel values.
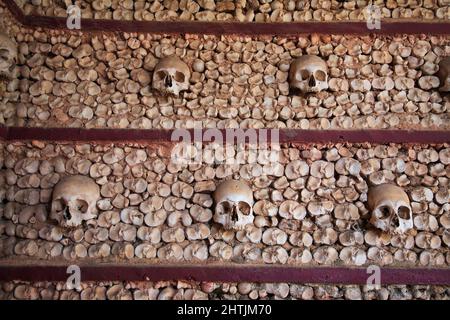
(403, 213)
(312, 82)
(395, 220)
(168, 81)
(67, 214)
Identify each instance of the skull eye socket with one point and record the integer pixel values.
(179, 77)
(383, 212)
(320, 75)
(244, 208)
(81, 206)
(223, 207)
(160, 75)
(404, 213)
(58, 205)
(304, 74)
(4, 54)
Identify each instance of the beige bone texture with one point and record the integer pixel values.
(171, 76)
(390, 207)
(234, 204)
(74, 200)
(8, 56)
(308, 74)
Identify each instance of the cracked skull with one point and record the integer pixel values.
(74, 200)
(8, 56)
(234, 202)
(171, 76)
(444, 74)
(308, 74)
(390, 208)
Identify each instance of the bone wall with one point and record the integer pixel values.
(181, 290)
(67, 79)
(310, 205)
(242, 10)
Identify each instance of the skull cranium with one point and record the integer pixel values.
(74, 200)
(171, 75)
(234, 204)
(8, 56)
(391, 209)
(444, 74)
(308, 74)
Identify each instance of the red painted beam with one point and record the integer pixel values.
(238, 28)
(285, 135)
(322, 275)
(15, 10)
(3, 133)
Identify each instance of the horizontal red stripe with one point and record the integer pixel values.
(285, 135)
(322, 275)
(239, 28)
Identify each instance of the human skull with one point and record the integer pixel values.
(308, 74)
(171, 75)
(391, 210)
(444, 74)
(8, 56)
(234, 204)
(74, 200)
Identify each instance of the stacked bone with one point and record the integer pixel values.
(64, 80)
(180, 290)
(310, 206)
(321, 205)
(243, 10)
